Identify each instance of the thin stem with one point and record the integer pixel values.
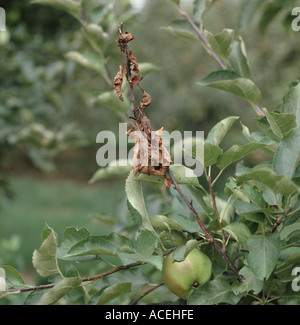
(107, 77)
(114, 270)
(293, 212)
(217, 213)
(217, 177)
(136, 112)
(203, 38)
(209, 238)
(280, 219)
(146, 293)
(87, 279)
(200, 33)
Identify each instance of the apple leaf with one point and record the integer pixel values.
(263, 254)
(233, 83)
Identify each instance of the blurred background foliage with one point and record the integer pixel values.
(50, 115)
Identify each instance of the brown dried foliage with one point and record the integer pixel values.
(146, 100)
(149, 154)
(118, 80)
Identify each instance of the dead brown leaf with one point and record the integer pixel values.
(146, 100)
(118, 80)
(149, 154)
(125, 37)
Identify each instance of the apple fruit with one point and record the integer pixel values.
(181, 277)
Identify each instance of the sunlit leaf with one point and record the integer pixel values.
(100, 245)
(237, 152)
(266, 176)
(135, 196)
(59, 290)
(233, 83)
(218, 132)
(44, 259)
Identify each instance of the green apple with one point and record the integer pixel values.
(181, 277)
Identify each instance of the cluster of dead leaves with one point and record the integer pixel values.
(149, 154)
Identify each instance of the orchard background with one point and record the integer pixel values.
(228, 68)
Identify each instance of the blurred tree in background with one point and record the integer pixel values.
(45, 93)
(55, 84)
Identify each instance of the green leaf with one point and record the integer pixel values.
(181, 28)
(269, 140)
(287, 155)
(249, 284)
(111, 100)
(291, 102)
(290, 231)
(95, 36)
(184, 175)
(70, 6)
(147, 67)
(254, 195)
(233, 83)
(280, 123)
(101, 245)
(238, 58)
(135, 215)
(189, 225)
(246, 207)
(214, 292)
(269, 13)
(237, 152)
(211, 154)
(12, 276)
(200, 6)
(218, 132)
(134, 192)
(161, 222)
(72, 236)
(3, 284)
(143, 250)
(290, 297)
(247, 13)
(44, 259)
(114, 291)
(116, 169)
(87, 61)
(221, 42)
(266, 176)
(181, 252)
(59, 290)
(263, 254)
(239, 231)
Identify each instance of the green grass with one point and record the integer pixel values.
(57, 203)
